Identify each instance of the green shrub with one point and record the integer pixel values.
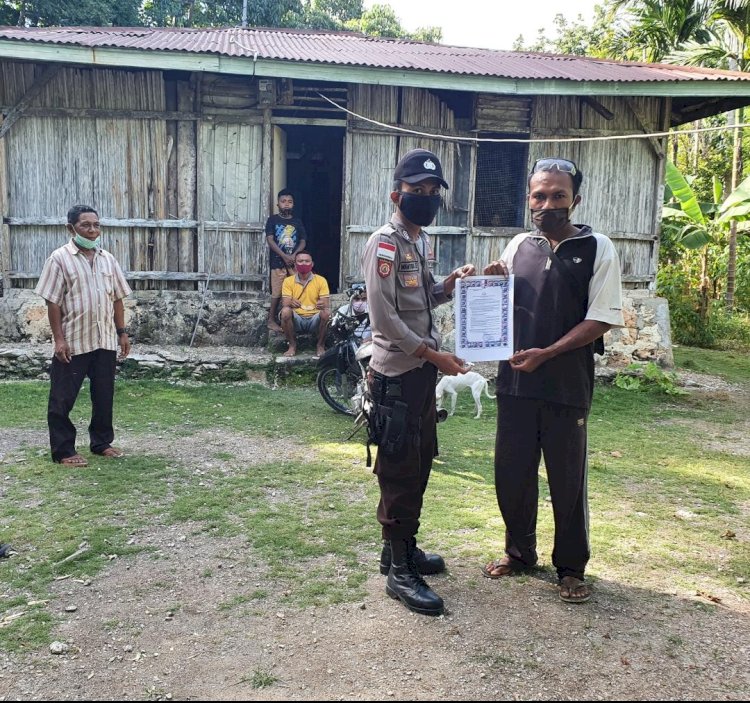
(640, 377)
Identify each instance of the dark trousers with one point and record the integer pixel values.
(66, 380)
(526, 429)
(403, 477)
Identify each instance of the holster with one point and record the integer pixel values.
(387, 417)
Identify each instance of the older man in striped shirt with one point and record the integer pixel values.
(84, 288)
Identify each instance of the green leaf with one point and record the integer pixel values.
(684, 193)
(738, 212)
(735, 206)
(694, 237)
(668, 212)
(718, 188)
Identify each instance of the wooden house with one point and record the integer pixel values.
(181, 138)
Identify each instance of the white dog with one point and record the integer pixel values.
(453, 384)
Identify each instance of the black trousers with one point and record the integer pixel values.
(526, 429)
(403, 478)
(66, 380)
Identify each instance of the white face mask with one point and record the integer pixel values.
(359, 306)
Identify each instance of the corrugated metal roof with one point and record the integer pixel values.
(348, 49)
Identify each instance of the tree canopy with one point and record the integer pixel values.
(379, 20)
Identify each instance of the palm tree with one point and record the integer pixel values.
(712, 33)
(729, 28)
(660, 27)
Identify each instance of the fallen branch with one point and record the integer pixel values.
(83, 547)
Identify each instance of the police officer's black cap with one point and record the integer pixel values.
(417, 165)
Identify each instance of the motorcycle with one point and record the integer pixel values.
(342, 370)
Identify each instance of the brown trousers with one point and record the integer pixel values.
(403, 477)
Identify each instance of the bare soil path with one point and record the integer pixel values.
(153, 626)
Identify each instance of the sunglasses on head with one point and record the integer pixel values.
(555, 164)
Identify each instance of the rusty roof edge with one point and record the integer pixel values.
(212, 61)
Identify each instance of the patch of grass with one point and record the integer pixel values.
(233, 603)
(646, 463)
(731, 365)
(261, 678)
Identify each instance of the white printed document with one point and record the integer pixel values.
(484, 318)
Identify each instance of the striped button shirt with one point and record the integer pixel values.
(85, 293)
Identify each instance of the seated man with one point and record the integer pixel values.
(357, 307)
(305, 304)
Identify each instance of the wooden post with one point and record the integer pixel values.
(5, 257)
(736, 178)
(346, 211)
(661, 158)
(469, 251)
(173, 247)
(266, 178)
(186, 175)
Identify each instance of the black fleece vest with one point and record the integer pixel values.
(546, 307)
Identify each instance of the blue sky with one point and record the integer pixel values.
(490, 24)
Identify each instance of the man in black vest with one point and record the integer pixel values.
(567, 294)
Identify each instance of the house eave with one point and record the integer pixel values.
(269, 68)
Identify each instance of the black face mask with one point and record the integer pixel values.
(419, 209)
(551, 221)
(286, 212)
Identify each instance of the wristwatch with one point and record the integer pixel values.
(121, 331)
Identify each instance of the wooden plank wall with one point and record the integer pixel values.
(369, 187)
(117, 165)
(231, 190)
(621, 189)
(503, 113)
(132, 166)
(370, 174)
(208, 166)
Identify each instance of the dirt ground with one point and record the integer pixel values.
(508, 639)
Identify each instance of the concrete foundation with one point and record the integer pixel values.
(168, 318)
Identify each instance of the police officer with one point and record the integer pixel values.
(405, 360)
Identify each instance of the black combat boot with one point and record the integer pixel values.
(405, 583)
(427, 564)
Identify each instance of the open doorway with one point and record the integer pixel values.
(314, 171)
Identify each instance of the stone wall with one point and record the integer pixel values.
(167, 318)
(646, 336)
(32, 360)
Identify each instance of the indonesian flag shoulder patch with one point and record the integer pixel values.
(386, 251)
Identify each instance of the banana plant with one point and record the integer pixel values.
(692, 226)
(737, 206)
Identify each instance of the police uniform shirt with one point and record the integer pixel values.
(548, 303)
(401, 291)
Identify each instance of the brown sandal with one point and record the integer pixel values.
(572, 585)
(74, 460)
(498, 568)
(112, 453)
